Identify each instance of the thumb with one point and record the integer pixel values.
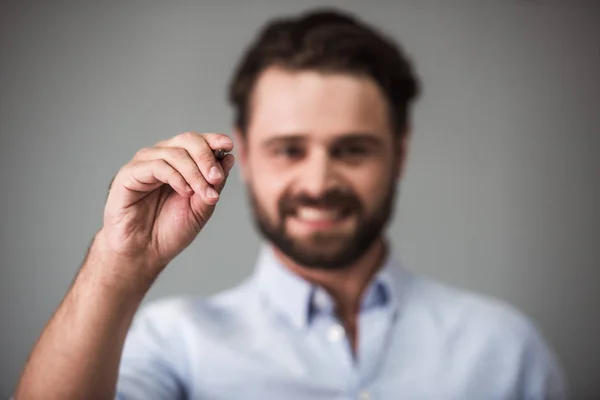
(202, 211)
(227, 163)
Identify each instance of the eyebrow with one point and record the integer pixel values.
(284, 139)
(347, 138)
(359, 138)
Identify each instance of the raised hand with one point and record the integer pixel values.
(162, 198)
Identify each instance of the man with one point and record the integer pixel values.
(322, 125)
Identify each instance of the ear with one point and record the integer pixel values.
(241, 153)
(401, 154)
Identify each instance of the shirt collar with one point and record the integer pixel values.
(298, 299)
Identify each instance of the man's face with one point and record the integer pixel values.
(321, 164)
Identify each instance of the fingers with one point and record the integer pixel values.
(227, 164)
(180, 160)
(149, 175)
(218, 141)
(191, 155)
(201, 148)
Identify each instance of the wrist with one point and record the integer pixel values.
(117, 272)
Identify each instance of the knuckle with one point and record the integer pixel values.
(125, 170)
(197, 175)
(124, 177)
(158, 164)
(177, 153)
(186, 136)
(140, 153)
(207, 158)
(161, 143)
(172, 175)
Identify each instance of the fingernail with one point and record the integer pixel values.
(211, 193)
(215, 173)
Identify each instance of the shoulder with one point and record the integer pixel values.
(170, 336)
(493, 332)
(476, 322)
(455, 309)
(174, 313)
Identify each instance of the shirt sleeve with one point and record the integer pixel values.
(542, 377)
(152, 359)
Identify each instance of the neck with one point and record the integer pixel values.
(346, 285)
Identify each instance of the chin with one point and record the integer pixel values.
(321, 246)
(323, 252)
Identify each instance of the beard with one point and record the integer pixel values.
(325, 251)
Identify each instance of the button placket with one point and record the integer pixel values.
(332, 331)
(336, 333)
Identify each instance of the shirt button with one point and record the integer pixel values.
(320, 300)
(364, 395)
(335, 333)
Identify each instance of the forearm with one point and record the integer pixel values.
(78, 353)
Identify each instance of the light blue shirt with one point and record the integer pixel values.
(276, 337)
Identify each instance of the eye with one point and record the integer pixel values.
(351, 150)
(289, 151)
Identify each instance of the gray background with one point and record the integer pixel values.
(502, 189)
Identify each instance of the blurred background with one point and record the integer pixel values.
(501, 195)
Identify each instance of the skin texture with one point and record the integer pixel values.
(162, 198)
(310, 134)
(157, 204)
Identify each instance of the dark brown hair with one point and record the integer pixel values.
(330, 41)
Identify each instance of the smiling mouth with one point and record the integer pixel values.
(320, 215)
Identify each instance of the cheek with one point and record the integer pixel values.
(371, 186)
(267, 188)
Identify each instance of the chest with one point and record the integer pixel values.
(390, 363)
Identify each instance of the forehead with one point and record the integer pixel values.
(316, 103)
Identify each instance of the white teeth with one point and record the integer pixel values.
(315, 214)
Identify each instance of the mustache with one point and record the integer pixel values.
(337, 198)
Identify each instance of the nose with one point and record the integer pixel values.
(317, 175)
